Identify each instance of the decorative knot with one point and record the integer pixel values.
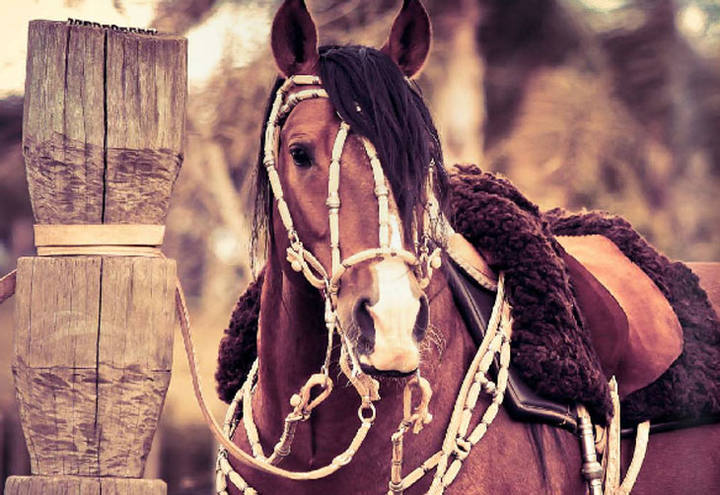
(462, 448)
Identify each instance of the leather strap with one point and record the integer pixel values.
(7, 285)
(466, 257)
(99, 239)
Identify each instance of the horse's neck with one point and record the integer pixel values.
(291, 347)
(289, 343)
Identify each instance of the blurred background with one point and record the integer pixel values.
(599, 104)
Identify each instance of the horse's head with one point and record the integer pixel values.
(351, 149)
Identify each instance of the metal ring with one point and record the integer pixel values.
(293, 237)
(363, 407)
(396, 487)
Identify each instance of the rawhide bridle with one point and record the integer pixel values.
(328, 283)
(300, 258)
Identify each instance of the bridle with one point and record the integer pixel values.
(304, 261)
(459, 438)
(301, 259)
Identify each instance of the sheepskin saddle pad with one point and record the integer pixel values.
(568, 308)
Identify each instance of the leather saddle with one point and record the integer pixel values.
(633, 328)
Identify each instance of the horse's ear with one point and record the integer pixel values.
(409, 41)
(294, 39)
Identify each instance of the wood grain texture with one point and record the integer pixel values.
(103, 123)
(64, 122)
(93, 353)
(103, 130)
(74, 485)
(137, 320)
(146, 93)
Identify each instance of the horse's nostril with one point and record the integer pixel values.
(422, 320)
(363, 320)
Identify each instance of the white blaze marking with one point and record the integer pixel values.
(395, 238)
(394, 317)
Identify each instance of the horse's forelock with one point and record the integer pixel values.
(371, 94)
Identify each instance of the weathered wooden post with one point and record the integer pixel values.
(103, 134)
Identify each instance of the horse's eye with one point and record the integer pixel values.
(300, 156)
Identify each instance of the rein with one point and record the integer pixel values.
(456, 445)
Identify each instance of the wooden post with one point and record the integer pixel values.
(103, 131)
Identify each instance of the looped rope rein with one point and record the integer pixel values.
(56, 237)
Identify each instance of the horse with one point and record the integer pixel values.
(351, 184)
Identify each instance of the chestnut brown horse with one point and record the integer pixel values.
(390, 321)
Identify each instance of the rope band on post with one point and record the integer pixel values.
(99, 239)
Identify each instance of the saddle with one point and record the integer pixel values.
(633, 328)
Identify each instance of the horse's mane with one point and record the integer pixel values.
(392, 115)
